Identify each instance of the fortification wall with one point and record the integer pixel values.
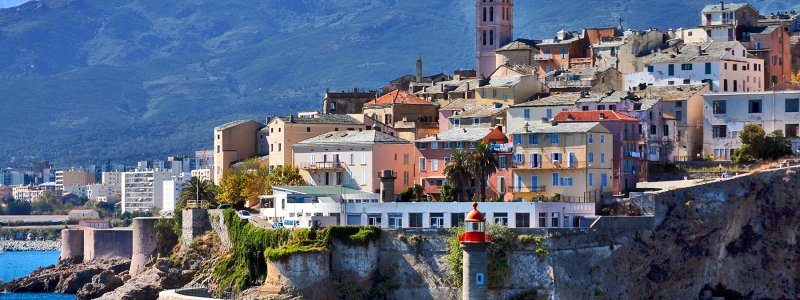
(107, 244)
(144, 243)
(195, 223)
(306, 274)
(71, 245)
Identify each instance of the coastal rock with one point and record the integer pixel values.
(101, 283)
(13, 245)
(64, 278)
(162, 275)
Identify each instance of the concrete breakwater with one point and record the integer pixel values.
(12, 245)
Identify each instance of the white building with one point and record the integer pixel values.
(95, 191)
(26, 193)
(202, 174)
(143, 190)
(353, 207)
(77, 190)
(726, 65)
(725, 114)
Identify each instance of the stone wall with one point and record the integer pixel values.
(217, 220)
(306, 274)
(195, 223)
(144, 243)
(99, 244)
(71, 245)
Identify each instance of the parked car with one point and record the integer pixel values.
(245, 215)
(223, 206)
(277, 225)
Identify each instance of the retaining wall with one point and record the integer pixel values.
(622, 222)
(306, 274)
(194, 224)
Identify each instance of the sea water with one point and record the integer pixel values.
(14, 265)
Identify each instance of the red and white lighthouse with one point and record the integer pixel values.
(475, 242)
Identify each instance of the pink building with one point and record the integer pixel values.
(435, 153)
(628, 163)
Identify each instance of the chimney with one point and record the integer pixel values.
(602, 115)
(436, 137)
(291, 118)
(722, 5)
(571, 117)
(527, 127)
(419, 69)
(700, 50)
(387, 178)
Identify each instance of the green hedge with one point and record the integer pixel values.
(252, 246)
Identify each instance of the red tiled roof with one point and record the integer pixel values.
(397, 97)
(591, 115)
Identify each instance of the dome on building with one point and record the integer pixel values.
(475, 215)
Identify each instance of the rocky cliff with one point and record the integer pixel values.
(732, 238)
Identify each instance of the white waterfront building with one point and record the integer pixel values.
(343, 206)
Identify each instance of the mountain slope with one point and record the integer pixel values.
(84, 80)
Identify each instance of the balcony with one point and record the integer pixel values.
(707, 22)
(525, 189)
(322, 166)
(634, 154)
(552, 165)
(542, 57)
(580, 61)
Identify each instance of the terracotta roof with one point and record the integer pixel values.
(786, 86)
(670, 92)
(397, 97)
(592, 115)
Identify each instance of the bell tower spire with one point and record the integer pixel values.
(494, 28)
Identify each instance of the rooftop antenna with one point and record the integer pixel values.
(619, 19)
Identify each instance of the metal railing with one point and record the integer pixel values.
(551, 165)
(196, 204)
(525, 189)
(321, 166)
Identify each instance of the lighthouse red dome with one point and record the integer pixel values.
(474, 215)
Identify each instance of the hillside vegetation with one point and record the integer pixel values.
(83, 81)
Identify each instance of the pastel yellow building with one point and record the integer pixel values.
(507, 90)
(572, 160)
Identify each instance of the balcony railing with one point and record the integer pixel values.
(552, 165)
(322, 166)
(707, 22)
(580, 61)
(526, 189)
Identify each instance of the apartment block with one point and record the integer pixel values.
(435, 154)
(571, 160)
(727, 66)
(726, 114)
(628, 162)
(234, 141)
(285, 132)
(354, 159)
(409, 115)
(539, 109)
(73, 177)
(143, 189)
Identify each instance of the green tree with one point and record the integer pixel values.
(285, 175)
(457, 173)
(449, 194)
(753, 136)
(196, 189)
(18, 207)
(776, 146)
(250, 180)
(482, 163)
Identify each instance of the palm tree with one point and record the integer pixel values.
(196, 189)
(457, 173)
(481, 164)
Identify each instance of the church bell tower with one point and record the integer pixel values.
(494, 28)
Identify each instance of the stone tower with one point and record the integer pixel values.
(494, 28)
(419, 69)
(387, 178)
